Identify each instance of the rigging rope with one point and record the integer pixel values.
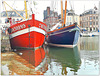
(5, 9)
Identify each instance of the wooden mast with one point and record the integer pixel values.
(26, 9)
(62, 11)
(65, 12)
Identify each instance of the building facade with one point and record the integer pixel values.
(50, 17)
(71, 17)
(89, 20)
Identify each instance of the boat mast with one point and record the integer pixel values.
(65, 12)
(26, 9)
(62, 11)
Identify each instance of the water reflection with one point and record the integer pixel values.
(36, 58)
(64, 57)
(89, 48)
(89, 43)
(27, 62)
(89, 52)
(54, 60)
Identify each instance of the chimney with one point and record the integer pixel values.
(95, 8)
(48, 11)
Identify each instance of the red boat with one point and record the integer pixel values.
(27, 34)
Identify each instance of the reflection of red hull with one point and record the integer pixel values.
(37, 58)
(27, 34)
(33, 57)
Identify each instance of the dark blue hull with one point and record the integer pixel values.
(63, 37)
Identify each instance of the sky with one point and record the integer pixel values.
(79, 6)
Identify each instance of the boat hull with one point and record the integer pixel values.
(67, 37)
(28, 34)
(24, 41)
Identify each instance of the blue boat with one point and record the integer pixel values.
(64, 37)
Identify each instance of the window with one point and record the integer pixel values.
(87, 23)
(17, 19)
(13, 14)
(94, 17)
(97, 17)
(96, 23)
(9, 14)
(90, 12)
(94, 12)
(21, 14)
(83, 19)
(93, 23)
(90, 18)
(90, 23)
(67, 18)
(87, 18)
(3, 14)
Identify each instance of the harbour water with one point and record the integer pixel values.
(80, 60)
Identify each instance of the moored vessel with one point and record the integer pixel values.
(65, 36)
(28, 33)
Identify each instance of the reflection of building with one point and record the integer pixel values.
(89, 44)
(50, 17)
(89, 19)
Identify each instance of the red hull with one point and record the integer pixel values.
(27, 34)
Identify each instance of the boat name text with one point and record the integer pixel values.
(42, 26)
(16, 28)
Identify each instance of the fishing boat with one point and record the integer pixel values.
(66, 36)
(28, 34)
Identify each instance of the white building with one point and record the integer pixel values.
(15, 17)
(71, 18)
